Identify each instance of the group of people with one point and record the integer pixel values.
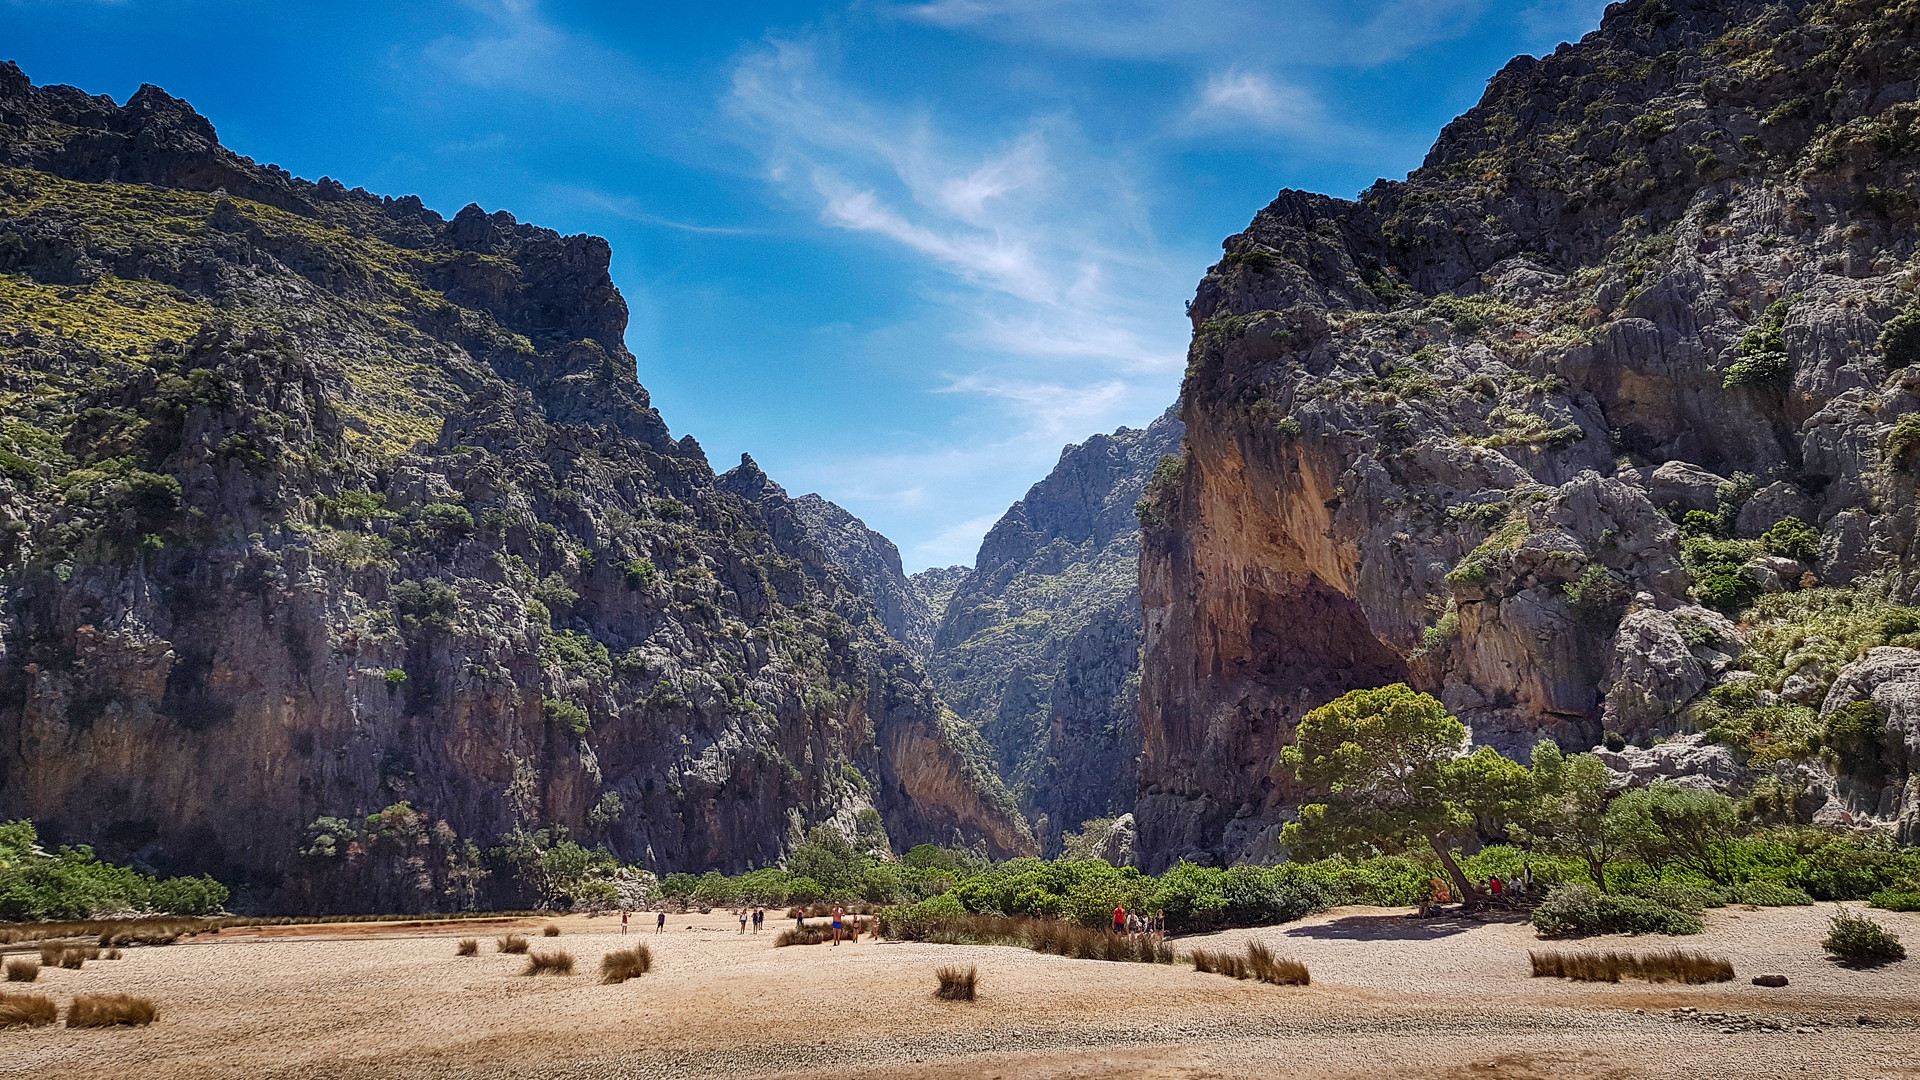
(757, 916)
(1133, 924)
(659, 922)
(1494, 889)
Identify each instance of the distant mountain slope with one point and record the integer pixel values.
(874, 563)
(318, 506)
(1039, 645)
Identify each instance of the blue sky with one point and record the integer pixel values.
(901, 251)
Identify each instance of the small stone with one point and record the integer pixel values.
(1769, 980)
(1806, 1031)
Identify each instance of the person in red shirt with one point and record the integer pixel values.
(1495, 884)
(1120, 919)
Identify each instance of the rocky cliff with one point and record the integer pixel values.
(873, 562)
(1039, 644)
(315, 505)
(1628, 355)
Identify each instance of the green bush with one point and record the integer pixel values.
(1384, 881)
(1690, 898)
(1763, 355)
(567, 714)
(1903, 439)
(72, 884)
(1582, 911)
(1859, 940)
(1848, 868)
(1767, 894)
(1896, 899)
(1900, 339)
(447, 519)
(1792, 538)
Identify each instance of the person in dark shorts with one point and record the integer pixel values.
(660, 923)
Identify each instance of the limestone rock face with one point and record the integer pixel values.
(1686, 760)
(319, 506)
(1446, 433)
(1039, 644)
(1889, 678)
(874, 564)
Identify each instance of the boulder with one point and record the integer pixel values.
(1653, 672)
(1688, 760)
(1888, 676)
(1769, 506)
(1683, 484)
(1770, 980)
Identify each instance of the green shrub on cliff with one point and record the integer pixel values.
(1900, 339)
(72, 884)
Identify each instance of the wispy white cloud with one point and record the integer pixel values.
(1037, 237)
(1031, 241)
(630, 209)
(514, 46)
(1288, 31)
(1236, 95)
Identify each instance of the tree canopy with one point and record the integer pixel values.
(1388, 767)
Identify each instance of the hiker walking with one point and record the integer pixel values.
(660, 923)
(839, 917)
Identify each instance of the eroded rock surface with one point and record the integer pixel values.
(317, 504)
(1450, 433)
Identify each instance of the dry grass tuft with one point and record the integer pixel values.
(550, 930)
(512, 943)
(111, 954)
(794, 935)
(467, 947)
(108, 1010)
(557, 962)
(955, 984)
(618, 967)
(1258, 962)
(1672, 965)
(1279, 971)
(23, 970)
(31, 1010)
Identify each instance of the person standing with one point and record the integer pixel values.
(1120, 919)
(758, 914)
(660, 924)
(743, 920)
(623, 922)
(839, 918)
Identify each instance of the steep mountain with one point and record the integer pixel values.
(1039, 644)
(935, 586)
(1629, 354)
(340, 542)
(873, 562)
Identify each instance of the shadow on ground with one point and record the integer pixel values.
(1402, 928)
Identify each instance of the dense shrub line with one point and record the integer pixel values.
(72, 884)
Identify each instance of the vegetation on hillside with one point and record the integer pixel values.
(71, 884)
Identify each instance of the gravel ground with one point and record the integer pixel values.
(1390, 996)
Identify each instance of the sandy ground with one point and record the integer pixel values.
(1390, 997)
